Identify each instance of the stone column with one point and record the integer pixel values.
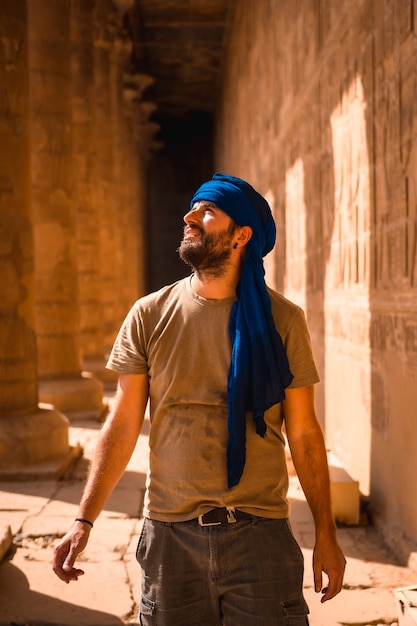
(123, 182)
(138, 146)
(57, 301)
(85, 176)
(111, 250)
(28, 434)
(131, 151)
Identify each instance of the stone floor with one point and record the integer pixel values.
(39, 512)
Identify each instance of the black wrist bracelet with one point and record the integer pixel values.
(84, 521)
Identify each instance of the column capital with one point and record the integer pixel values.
(106, 22)
(134, 84)
(145, 110)
(121, 49)
(124, 5)
(80, 7)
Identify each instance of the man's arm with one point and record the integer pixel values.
(114, 448)
(308, 451)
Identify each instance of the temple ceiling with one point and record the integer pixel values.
(177, 50)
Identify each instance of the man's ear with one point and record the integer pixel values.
(245, 234)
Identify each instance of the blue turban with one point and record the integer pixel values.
(259, 370)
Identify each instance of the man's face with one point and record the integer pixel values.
(208, 239)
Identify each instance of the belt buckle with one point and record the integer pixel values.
(230, 516)
(203, 523)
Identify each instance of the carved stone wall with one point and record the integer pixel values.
(319, 111)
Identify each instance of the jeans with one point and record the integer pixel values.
(249, 573)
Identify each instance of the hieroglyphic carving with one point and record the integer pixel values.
(389, 28)
(12, 100)
(349, 255)
(51, 149)
(295, 232)
(6, 184)
(12, 118)
(11, 47)
(405, 17)
(324, 21)
(379, 408)
(309, 133)
(408, 109)
(79, 8)
(11, 41)
(389, 191)
(396, 333)
(314, 225)
(396, 173)
(105, 23)
(385, 28)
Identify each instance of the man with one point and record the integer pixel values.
(225, 362)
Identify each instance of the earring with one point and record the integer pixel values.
(234, 246)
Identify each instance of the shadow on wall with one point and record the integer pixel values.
(354, 260)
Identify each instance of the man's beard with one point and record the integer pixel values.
(209, 254)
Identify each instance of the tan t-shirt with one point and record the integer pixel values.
(182, 341)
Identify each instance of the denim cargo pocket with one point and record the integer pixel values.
(146, 612)
(295, 612)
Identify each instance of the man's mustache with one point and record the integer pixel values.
(188, 229)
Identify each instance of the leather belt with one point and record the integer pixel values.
(226, 515)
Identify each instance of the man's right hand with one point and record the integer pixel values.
(115, 444)
(67, 550)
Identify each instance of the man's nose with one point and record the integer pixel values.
(191, 216)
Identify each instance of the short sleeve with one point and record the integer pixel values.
(299, 351)
(128, 355)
